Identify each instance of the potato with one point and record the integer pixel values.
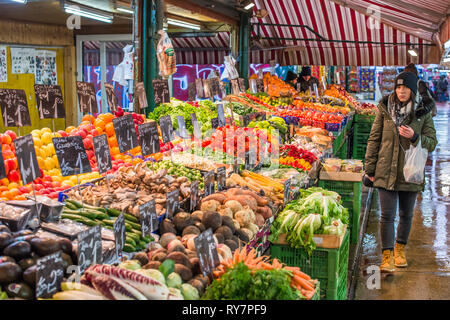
(184, 272)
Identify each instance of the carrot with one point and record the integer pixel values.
(276, 264)
(217, 274)
(302, 275)
(305, 284)
(266, 266)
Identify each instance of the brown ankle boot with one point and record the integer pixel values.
(387, 265)
(399, 255)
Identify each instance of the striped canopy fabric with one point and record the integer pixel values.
(202, 50)
(388, 23)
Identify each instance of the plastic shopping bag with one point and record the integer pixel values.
(415, 159)
(166, 55)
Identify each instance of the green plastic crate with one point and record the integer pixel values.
(359, 152)
(364, 118)
(329, 266)
(316, 295)
(354, 216)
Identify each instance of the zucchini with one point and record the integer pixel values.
(147, 239)
(130, 241)
(109, 223)
(75, 203)
(70, 205)
(139, 233)
(102, 215)
(133, 236)
(131, 218)
(135, 226)
(70, 216)
(113, 212)
(87, 214)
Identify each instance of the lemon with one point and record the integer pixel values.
(46, 138)
(46, 130)
(50, 149)
(37, 142)
(68, 183)
(36, 133)
(74, 180)
(49, 164)
(41, 162)
(57, 135)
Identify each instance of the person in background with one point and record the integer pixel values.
(396, 127)
(442, 87)
(424, 91)
(306, 81)
(291, 78)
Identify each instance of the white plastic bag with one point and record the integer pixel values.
(166, 55)
(415, 160)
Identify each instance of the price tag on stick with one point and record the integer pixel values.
(259, 85)
(206, 249)
(209, 182)
(241, 83)
(197, 131)
(287, 191)
(149, 138)
(166, 128)
(89, 247)
(172, 204)
(126, 133)
(161, 91)
(102, 153)
(148, 218)
(182, 131)
(72, 156)
(191, 91)
(221, 178)
(194, 196)
(49, 275)
(221, 115)
(87, 97)
(26, 157)
(49, 100)
(142, 95)
(14, 107)
(214, 123)
(199, 88)
(119, 234)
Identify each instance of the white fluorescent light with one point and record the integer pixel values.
(20, 1)
(413, 52)
(447, 59)
(87, 13)
(447, 71)
(125, 10)
(249, 6)
(183, 24)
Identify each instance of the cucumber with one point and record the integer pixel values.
(135, 226)
(147, 239)
(133, 236)
(139, 233)
(102, 216)
(130, 241)
(142, 244)
(128, 227)
(128, 248)
(109, 223)
(70, 216)
(70, 205)
(87, 214)
(114, 212)
(131, 218)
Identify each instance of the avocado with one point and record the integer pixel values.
(26, 263)
(29, 276)
(65, 245)
(45, 246)
(18, 250)
(9, 272)
(4, 228)
(19, 290)
(5, 240)
(22, 233)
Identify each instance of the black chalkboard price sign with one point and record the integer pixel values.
(209, 182)
(287, 191)
(125, 133)
(182, 131)
(14, 106)
(235, 86)
(199, 88)
(89, 247)
(72, 156)
(241, 82)
(148, 218)
(102, 153)
(197, 131)
(221, 178)
(221, 115)
(259, 85)
(26, 157)
(119, 234)
(111, 97)
(215, 86)
(193, 201)
(214, 123)
(87, 97)
(206, 249)
(166, 128)
(161, 91)
(49, 275)
(2, 167)
(206, 88)
(191, 91)
(49, 100)
(172, 204)
(149, 138)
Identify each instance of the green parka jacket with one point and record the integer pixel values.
(385, 158)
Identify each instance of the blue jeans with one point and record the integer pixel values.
(388, 204)
(442, 97)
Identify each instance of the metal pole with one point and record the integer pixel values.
(103, 75)
(244, 44)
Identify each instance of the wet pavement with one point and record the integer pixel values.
(428, 274)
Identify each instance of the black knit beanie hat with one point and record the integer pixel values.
(306, 71)
(407, 79)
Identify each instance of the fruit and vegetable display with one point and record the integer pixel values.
(316, 211)
(248, 277)
(296, 157)
(367, 109)
(339, 165)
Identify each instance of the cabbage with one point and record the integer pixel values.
(336, 227)
(189, 292)
(174, 280)
(153, 273)
(175, 294)
(130, 265)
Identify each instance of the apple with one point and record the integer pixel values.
(82, 134)
(53, 195)
(25, 189)
(90, 154)
(47, 178)
(87, 143)
(12, 134)
(38, 186)
(13, 176)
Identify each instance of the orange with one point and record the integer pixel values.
(4, 182)
(99, 130)
(14, 192)
(6, 147)
(6, 139)
(4, 199)
(20, 198)
(109, 129)
(108, 117)
(88, 118)
(8, 154)
(3, 188)
(137, 160)
(7, 195)
(112, 141)
(85, 123)
(116, 152)
(69, 129)
(99, 123)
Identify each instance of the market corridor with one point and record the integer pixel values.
(428, 273)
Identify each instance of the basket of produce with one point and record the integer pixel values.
(15, 218)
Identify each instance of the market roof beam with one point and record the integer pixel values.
(347, 41)
(192, 34)
(220, 12)
(419, 11)
(203, 49)
(288, 25)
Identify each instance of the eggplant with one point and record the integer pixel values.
(18, 250)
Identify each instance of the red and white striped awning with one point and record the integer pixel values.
(202, 50)
(381, 23)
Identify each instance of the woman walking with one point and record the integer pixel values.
(400, 122)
